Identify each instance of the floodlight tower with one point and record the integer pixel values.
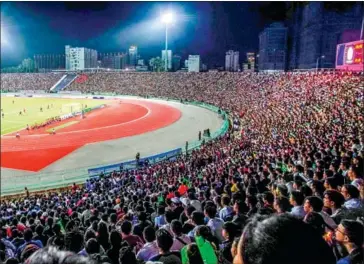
(167, 19)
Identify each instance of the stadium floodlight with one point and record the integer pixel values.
(317, 61)
(167, 19)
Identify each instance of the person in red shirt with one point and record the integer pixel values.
(182, 189)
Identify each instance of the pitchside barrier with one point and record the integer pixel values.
(42, 181)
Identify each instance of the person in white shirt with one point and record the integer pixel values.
(150, 248)
(215, 224)
(194, 202)
(169, 215)
(179, 240)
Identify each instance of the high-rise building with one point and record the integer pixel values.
(194, 63)
(232, 61)
(176, 62)
(116, 60)
(49, 61)
(273, 48)
(169, 58)
(80, 58)
(133, 55)
(315, 29)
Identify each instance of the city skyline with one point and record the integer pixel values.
(215, 20)
(206, 28)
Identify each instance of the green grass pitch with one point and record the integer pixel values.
(12, 121)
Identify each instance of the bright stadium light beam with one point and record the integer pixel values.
(4, 36)
(167, 19)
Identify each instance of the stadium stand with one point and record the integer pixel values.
(284, 185)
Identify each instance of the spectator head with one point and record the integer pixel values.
(113, 218)
(149, 234)
(115, 238)
(239, 206)
(164, 240)
(349, 191)
(54, 255)
(189, 211)
(333, 199)
(268, 198)
(169, 215)
(142, 216)
(281, 190)
(161, 210)
(316, 221)
(92, 246)
(193, 254)
(198, 218)
(126, 227)
(271, 241)
(350, 232)
(28, 235)
(281, 204)
(229, 231)
(127, 256)
(225, 201)
(12, 261)
(88, 235)
(296, 198)
(313, 204)
(251, 201)
(176, 227)
(331, 183)
(210, 211)
(39, 230)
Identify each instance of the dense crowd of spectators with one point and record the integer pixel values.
(285, 186)
(14, 82)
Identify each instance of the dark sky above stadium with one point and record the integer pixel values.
(205, 28)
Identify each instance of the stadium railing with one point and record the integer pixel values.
(60, 179)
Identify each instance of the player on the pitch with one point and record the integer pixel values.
(41, 109)
(2, 115)
(20, 113)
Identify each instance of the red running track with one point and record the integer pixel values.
(37, 149)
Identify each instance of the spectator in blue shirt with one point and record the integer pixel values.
(226, 211)
(296, 200)
(351, 195)
(160, 219)
(28, 236)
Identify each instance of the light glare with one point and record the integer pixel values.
(167, 18)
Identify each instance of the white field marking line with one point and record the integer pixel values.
(91, 129)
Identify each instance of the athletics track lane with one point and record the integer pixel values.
(132, 117)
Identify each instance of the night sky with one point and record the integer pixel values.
(205, 28)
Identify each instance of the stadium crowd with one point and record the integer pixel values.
(285, 186)
(14, 82)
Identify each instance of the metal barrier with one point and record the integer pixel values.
(59, 179)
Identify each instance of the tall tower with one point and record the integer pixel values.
(133, 54)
